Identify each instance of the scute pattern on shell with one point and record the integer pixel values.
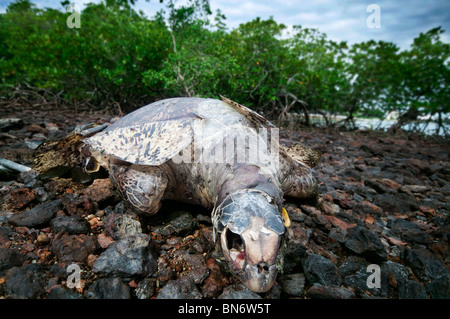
(145, 144)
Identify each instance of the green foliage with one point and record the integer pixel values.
(121, 56)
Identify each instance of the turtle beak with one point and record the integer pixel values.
(252, 255)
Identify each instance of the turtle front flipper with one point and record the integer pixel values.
(140, 186)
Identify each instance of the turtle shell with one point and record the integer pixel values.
(157, 132)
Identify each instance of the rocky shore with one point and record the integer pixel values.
(379, 229)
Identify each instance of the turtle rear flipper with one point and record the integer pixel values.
(64, 152)
(297, 180)
(303, 154)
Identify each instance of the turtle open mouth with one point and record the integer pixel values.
(236, 249)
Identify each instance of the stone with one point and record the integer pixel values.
(319, 269)
(72, 224)
(146, 288)
(195, 266)
(130, 256)
(215, 281)
(407, 230)
(109, 288)
(37, 217)
(366, 244)
(9, 258)
(75, 204)
(424, 264)
(20, 198)
(329, 292)
(100, 190)
(410, 289)
(397, 204)
(73, 248)
(293, 284)
(120, 226)
(439, 288)
(25, 282)
(238, 291)
(61, 292)
(181, 288)
(178, 224)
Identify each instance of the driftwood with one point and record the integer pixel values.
(10, 169)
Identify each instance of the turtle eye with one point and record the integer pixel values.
(89, 166)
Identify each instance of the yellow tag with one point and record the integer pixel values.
(285, 216)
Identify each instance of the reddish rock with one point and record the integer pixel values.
(20, 198)
(74, 248)
(100, 190)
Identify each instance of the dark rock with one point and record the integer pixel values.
(72, 224)
(293, 284)
(38, 216)
(365, 243)
(181, 288)
(396, 204)
(238, 292)
(61, 292)
(109, 288)
(424, 264)
(439, 288)
(179, 224)
(358, 281)
(378, 186)
(329, 292)
(410, 289)
(293, 253)
(319, 269)
(73, 248)
(130, 256)
(78, 205)
(407, 230)
(351, 265)
(26, 282)
(9, 258)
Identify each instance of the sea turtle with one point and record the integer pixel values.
(214, 153)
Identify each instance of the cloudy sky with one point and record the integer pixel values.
(341, 20)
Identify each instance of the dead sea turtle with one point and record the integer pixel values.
(214, 153)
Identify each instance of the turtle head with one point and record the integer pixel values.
(251, 233)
